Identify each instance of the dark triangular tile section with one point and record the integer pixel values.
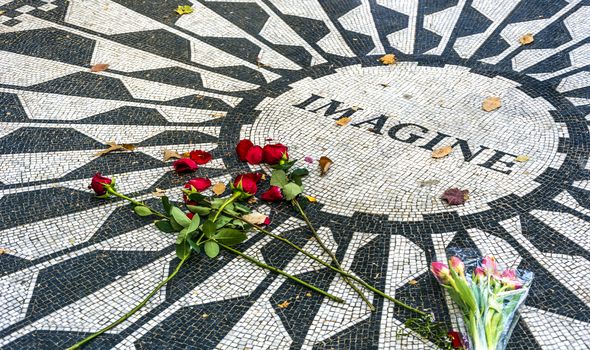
(32, 140)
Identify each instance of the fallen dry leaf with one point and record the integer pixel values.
(522, 159)
(205, 315)
(4, 251)
(412, 282)
(184, 9)
(159, 192)
(284, 304)
(170, 154)
(343, 121)
(455, 196)
(252, 200)
(311, 199)
(219, 188)
(491, 103)
(113, 146)
(442, 152)
(526, 39)
(388, 59)
(325, 164)
(263, 177)
(99, 67)
(255, 218)
(308, 294)
(218, 115)
(2, 12)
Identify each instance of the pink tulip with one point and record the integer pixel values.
(489, 265)
(457, 265)
(509, 273)
(441, 272)
(478, 274)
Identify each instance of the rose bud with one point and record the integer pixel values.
(190, 215)
(457, 265)
(273, 154)
(489, 265)
(97, 184)
(478, 274)
(273, 194)
(185, 165)
(246, 183)
(200, 184)
(242, 149)
(441, 272)
(254, 155)
(200, 157)
(456, 340)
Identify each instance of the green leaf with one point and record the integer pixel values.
(298, 174)
(211, 249)
(180, 217)
(166, 204)
(222, 220)
(194, 225)
(242, 208)
(142, 210)
(278, 178)
(175, 225)
(181, 236)
(197, 197)
(198, 210)
(183, 250)
(238, 223)
(193, 245)
(291, 190)
(164, 226)
(230, 236)
(209, 228)
(216, 203)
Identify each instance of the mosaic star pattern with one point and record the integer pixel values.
(284, 71)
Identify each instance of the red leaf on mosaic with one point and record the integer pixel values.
(254, 155)
(200, 157)
(242, 149)
(455, 196)
(99, 67)
(273, 154)
(273, 194)
(185, 165)
(199, 183)
(97, 184)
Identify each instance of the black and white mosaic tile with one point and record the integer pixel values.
(284, 71)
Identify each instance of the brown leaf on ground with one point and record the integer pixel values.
(159, 192)
(99, 67)
(219, 188)
(255, 218)
(388, 59)
(170, 154)
(252, 200)
(343, 121)
(325, 164)
(113, 146)
(491, 103)
(442, 152)
(526, 39)
(455, 196)
(284, 304)
(522, 159)
(218, 115)
(4, 251)
(412, 282)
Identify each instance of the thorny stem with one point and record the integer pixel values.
(320, 261)
(133, 201)
(332, 256)
(130, 313)
(281, 272)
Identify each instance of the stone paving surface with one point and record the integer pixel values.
(285, 70)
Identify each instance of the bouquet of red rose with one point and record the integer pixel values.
(488, 297)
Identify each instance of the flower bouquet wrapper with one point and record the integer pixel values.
(488, 295)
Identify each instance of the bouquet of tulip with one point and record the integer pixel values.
(488, 297)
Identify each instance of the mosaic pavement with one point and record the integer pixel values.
(285, 70)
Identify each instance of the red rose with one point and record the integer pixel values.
(199, 183)
(97, 184)
(272, 195)
(185, 165)
(247, 183)
(254, 155)
(190, 215)
(200, 157)
(273, 154)
(456, 340)
(242, 149)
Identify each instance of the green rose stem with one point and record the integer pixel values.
(130, 313)
(332, 256)
(233, 197)
(281, 272)
(320, 261)
(133, 201)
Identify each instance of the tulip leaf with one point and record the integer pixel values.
(164, 226)
(198, 210)
(278, 178)
(298, 174)
(180, 217)
(166, 204)
(211, 249)
(183, 250)
(230, 236)
(142, 210)
(291, 190)
(209, 228)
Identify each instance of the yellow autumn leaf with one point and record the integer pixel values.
(219, 188)
(388, 59)
(113, 146)
(526, 39)
(441, 152)
(284, 304)
(159, 192)
(184, 9)
(491, 103)
(522, 159)
(412, 282)
(170, 154)
(343, 121)
(311, 199)
(99, 67)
